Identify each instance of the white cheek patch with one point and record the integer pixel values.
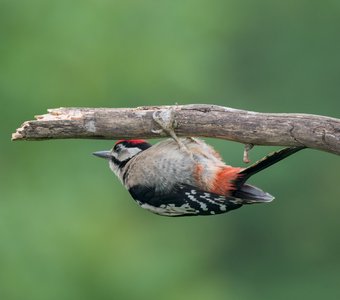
(123, 155)
(127, 153)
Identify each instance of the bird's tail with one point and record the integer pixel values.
(252, 194)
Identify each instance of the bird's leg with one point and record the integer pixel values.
(247, 148)
(166, 120)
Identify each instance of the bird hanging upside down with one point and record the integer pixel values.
(186, 177)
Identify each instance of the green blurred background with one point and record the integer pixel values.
(69, 230)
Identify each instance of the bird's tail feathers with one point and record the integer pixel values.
(251, 194)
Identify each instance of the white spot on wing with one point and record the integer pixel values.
(194, 199)
(170, 209)
(223, 207)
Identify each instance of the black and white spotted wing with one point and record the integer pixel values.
(185, 200)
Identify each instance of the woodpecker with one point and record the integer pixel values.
(186, 176)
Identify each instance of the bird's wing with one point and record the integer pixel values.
(184, 200)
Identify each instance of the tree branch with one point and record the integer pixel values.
(313, 131)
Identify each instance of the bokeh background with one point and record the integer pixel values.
(69, 230)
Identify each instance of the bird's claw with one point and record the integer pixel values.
(166, 120)
(247, 148)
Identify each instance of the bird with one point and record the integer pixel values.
(186, 176)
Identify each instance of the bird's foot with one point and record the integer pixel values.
(247, 148)
(166, 120)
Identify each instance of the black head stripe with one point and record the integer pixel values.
(141, 144)
(144, 146)
(122, 150)
(120, 164)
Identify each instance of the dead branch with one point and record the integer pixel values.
(291, 129)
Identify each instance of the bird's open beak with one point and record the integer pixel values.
(103, 154)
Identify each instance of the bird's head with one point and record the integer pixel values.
(122, 152)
